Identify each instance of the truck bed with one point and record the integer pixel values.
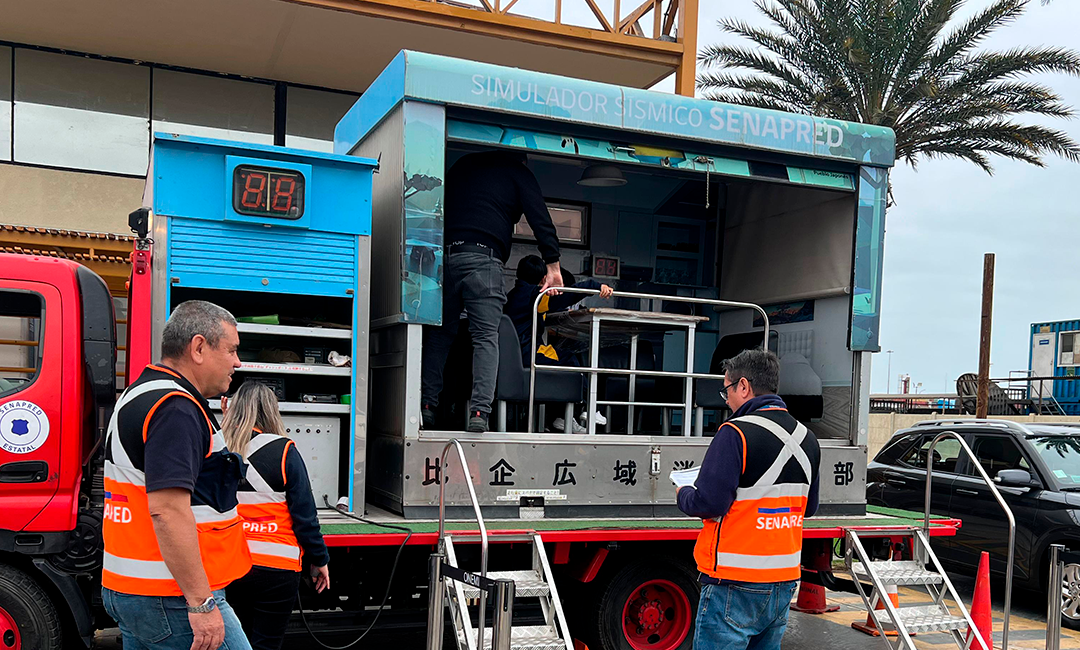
(340, 530)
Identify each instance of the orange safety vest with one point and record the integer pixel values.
(133, 562)
(760, 537)
(267, 522)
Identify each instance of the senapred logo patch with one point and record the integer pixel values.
(24, 427)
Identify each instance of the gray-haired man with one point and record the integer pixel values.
(173, 538)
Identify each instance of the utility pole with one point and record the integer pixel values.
(982, 404)
(888, 379)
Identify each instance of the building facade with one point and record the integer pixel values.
(85, 83)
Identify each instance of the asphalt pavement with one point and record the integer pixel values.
(1027, 625)
(805, 631)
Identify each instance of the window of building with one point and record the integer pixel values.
(570, 224)
(213, 107)
(311, 115)
(21, 315)
(1069, 349)
(996, 453)
(946, 454)
(81, 113)
(5, 103)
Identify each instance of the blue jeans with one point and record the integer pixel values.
(161, 622)
(743, 615)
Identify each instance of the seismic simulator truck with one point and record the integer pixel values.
(721, 227)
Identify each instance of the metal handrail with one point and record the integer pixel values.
(689, 375)
(1001, 502)
(479, 522)
(855, 547)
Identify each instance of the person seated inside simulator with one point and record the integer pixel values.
(552, 350)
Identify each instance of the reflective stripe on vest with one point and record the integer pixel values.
(132, 560)
(759, 539)
(267, 522)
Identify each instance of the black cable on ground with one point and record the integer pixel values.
(386, 594)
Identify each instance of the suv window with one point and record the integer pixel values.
(894, 448)
(996, 453)
(946, 454)
(20, 339)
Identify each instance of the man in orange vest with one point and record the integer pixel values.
(758, 480)
(173, 537)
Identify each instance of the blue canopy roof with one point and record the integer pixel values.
(455, 82)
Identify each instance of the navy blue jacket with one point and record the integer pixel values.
(714, 491)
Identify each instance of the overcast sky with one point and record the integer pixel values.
(948, 213)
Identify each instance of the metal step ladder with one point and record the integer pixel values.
(456, 589)
(924, 570)
(535, 582)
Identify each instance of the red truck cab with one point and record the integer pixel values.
(57, 388)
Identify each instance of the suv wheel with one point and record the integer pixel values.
(1070, 596)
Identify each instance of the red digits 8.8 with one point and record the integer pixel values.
(284, 189)
(254, 188)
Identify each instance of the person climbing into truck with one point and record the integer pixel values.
(173, 537)
(280, 519)
(486, 195)
(519, 307)
(758, 480)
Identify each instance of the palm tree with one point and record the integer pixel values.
(901, 64)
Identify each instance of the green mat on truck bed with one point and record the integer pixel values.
(876, 516)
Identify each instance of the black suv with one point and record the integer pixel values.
(1036, 467)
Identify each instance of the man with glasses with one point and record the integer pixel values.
(757, 482)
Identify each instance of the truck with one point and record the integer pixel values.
(721, 227)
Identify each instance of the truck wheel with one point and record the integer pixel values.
(28, 620)
(648, 605)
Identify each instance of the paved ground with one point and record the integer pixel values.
(1027, 626)
(805, 631)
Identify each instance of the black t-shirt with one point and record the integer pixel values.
(177, 442)
(486, 194)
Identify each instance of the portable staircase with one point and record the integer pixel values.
(459, 590)
(923, 570)
(535, 582)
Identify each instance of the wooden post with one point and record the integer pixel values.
(982, 405)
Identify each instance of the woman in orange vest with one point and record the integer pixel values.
(280, 520)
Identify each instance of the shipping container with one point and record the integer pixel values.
(1055, 352)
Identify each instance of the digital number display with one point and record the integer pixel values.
(263, 192)
(606, 267)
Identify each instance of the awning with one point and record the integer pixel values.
(106, 254)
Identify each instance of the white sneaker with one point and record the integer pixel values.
(598, 418)
(560, 425)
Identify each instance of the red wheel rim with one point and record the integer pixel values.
(9, 632)
(656, 616)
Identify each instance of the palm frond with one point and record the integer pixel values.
(905, 64)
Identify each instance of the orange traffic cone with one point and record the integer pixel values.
(868, 627)
(980, 605)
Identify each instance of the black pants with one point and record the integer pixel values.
(473, 282)
(263, 601)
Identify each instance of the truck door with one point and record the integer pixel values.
(31, 358)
